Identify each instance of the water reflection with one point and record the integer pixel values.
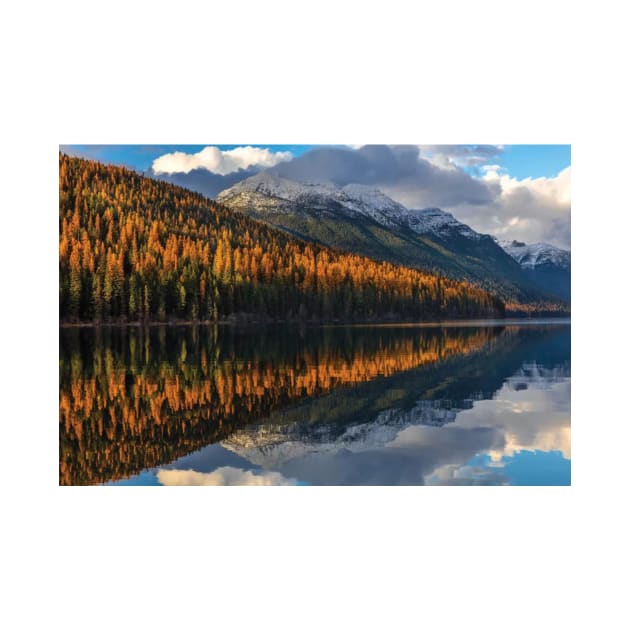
(208, 406)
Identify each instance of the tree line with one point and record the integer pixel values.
(135, 249)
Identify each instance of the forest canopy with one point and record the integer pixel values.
(135, 249)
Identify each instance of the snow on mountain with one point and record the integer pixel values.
(274, 186)
(373, 203)
(537, 254)
(437, 222)
(271, 446)
(263, 190)
(269, 192)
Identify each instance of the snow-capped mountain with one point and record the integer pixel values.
(269, 192)
(547, 266)
(537, 254)
(282, 194)
(366, 221)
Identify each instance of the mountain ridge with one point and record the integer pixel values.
(364, 220)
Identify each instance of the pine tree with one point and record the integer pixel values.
(75, 281)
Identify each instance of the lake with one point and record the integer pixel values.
(464, 403)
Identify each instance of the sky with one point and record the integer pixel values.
(520, 192)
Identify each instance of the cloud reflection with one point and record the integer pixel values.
(533, 419)
(224, 476)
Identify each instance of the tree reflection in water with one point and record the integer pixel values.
(137, 398)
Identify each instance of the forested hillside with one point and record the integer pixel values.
(135, 249)
(364, 221)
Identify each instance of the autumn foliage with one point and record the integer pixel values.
(135, 249)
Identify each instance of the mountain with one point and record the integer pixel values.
(269, 194)
(135, 249)
(361, 219)
(547, 266)
(537, 255)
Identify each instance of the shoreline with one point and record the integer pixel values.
(505, 321)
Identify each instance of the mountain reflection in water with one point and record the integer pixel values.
(469, 404)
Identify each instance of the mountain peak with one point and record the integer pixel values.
(273, 185)
(273, 193)
(533, 255)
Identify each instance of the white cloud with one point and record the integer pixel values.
(219, 162)
(223, 476)
(551, 191)
(530, 210)
(453, 156)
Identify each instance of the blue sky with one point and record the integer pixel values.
(528, 468)
(535, 160)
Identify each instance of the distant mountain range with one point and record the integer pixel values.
(363, 220)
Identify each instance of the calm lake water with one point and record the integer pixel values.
(480, 403)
